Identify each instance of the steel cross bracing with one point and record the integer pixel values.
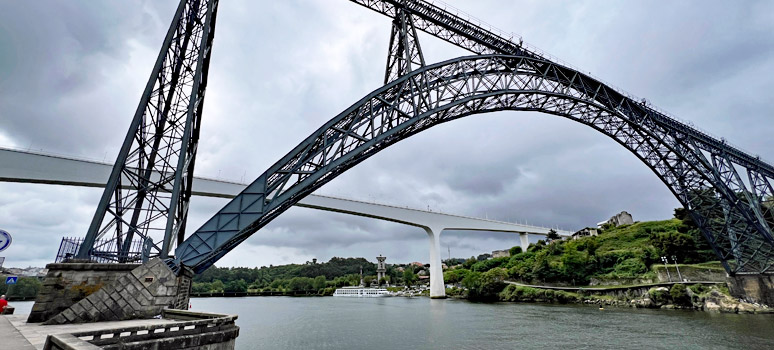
(405, 53)
(149, 188)
(470, 85)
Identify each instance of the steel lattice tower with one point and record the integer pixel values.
(148, 192)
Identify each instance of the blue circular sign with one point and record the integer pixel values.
(5, 240)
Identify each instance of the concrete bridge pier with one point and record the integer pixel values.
(524, 237)
(437, 287)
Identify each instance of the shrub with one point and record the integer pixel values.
(679, 294)
(631, 267)
(660, 295)
(486, 265)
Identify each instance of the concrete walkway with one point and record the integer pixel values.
(11, 338)
(33, 335)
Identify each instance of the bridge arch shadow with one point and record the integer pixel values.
(734, 215)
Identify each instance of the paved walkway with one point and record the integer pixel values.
(10, 337)
(33, 335)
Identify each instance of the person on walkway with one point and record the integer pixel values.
(3, 303)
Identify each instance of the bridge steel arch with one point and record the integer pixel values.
(733, 213)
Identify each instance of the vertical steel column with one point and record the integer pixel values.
(149, 187)
(184, 176)
(404, 51)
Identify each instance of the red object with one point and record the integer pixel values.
(189, 306)
(3, 304)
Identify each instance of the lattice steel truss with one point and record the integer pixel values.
(147, 194)
(734, 213)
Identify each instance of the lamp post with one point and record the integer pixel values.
(664, 259)
(674, 259)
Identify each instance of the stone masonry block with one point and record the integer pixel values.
(133, 302)
(164, 301)
(140, 272)
(69, 315)
(78, 309)
(146, 294)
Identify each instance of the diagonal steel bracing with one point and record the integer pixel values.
(149, 188)
(405, 53)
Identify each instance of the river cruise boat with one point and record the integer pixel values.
(360, 292)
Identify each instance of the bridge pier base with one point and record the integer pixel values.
(437, 287)
(524, 237)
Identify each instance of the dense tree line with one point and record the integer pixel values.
(309, 278)
(25, 287)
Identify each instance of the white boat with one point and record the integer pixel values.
(360, 292)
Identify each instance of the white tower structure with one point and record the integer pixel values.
(380, 268)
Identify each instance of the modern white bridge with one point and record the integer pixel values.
(41, 168)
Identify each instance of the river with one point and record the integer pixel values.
(421, 323)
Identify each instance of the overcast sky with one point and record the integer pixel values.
(71, 73)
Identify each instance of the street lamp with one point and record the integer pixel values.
(674, 259)
(664, 259)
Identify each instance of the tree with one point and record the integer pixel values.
(483, 257)
(217, 286)
(515, 250)
(552, 235)
(536, 247)
(576, 266)
(409, 277)
(300, 284)
(674, 243)
(24, 287)
(201, 287)
(485, 286)
(454, 276)
(239, 286)
(318, 283)
(469, 263)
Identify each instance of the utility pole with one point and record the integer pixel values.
(674, 259)
(664, 259)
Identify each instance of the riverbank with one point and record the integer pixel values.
(712, 297)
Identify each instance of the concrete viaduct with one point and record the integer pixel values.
(41, 168)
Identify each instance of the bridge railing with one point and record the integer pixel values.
(105, 251)
(185, 328)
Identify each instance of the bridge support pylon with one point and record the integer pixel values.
(524, 237)
(437, 287)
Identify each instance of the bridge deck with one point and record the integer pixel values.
(34, 167)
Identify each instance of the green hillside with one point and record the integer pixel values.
(626, 252)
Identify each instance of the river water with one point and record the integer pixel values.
(421, 323)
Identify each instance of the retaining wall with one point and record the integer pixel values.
(68, 283)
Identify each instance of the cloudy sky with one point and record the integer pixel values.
(71, 73)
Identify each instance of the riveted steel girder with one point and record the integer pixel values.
(470, 85)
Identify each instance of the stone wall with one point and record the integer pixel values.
(691, 273)
(753, 288)
(68, 283)
(142, 293)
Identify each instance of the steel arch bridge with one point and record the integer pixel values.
(699, 172)
(727, 191)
